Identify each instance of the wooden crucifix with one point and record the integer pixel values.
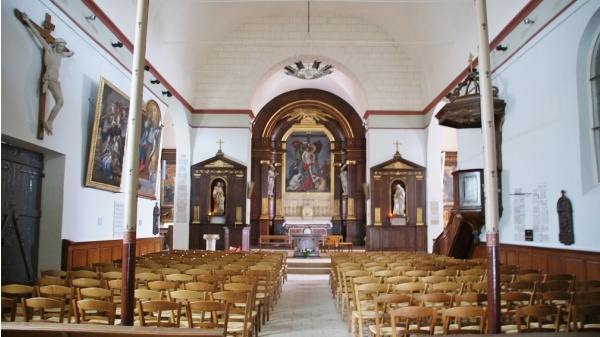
(54, 50)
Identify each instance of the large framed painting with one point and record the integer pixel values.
(149, 145)
(308, 162)
(107, 145)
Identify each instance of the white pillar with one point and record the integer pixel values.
(211, 241)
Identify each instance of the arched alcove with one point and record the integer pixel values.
(311, 113)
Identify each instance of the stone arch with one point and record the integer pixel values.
(313, 109)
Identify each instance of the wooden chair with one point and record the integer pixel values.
(254, 321)
(470, 299)
(67, 294)
(455, 288)
(347, 290)
(196, 271)
(159, 313)
(410, 288)
(535, 318)
(206, 288)
(434, 300)
(216, 280)
(364, 305)
(92, 311)
(413, 320)
(383, 304)
(111, 275)
(179, 278)
(84, 273)
(55, 273)
(240, 320)
(208, 315)
(84, 282)
(464, 320)
(564, 301)
(509, 302)
(163, 285)
(9, 309)
(587, 317)
(18, 292)
(588, 285)
(183, 296)
(41, 305)
(142, 279)
(47, 281)
(94, 293)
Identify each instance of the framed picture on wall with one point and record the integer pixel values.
(167, 186)
(150, 141)
(107, 145)
(308, 162)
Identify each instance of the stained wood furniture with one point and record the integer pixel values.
(397, 238)
(22, 329)
(275, 241)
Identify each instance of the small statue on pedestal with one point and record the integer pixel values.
(399, 197)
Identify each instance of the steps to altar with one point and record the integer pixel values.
(309, 265)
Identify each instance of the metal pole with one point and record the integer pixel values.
(490, 169)
(132, 164)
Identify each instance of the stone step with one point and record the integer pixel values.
(308, 271)
(308, 266)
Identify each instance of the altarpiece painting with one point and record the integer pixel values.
(308, 162)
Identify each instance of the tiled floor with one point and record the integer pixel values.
(305, 309)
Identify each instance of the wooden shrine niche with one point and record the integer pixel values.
(218, 191)
(385, 179)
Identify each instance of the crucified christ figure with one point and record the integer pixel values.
(53, 53)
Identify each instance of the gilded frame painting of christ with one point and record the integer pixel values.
(308, 162)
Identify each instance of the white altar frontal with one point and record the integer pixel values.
(308, 213)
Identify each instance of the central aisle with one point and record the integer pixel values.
(305, 309)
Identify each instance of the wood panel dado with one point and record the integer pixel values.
(89, 252)
(585, 265)
(397, 238)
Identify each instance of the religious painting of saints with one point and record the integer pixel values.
(449, 160)
(308, 162)
(149, 145)
(107, 145)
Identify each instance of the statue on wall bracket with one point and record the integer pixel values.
(565, 220)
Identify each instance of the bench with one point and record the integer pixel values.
(275, 241)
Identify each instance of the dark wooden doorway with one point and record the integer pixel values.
(22, 173)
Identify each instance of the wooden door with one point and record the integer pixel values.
(22, 173)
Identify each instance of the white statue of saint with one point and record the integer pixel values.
(271, 175)
(399, 197)
(218, 199)
(344, 178)
(53, 53)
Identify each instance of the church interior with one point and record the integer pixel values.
(437, 127)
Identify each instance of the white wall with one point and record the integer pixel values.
(541, 146)
(69, 210)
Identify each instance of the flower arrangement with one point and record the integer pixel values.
(306, 252)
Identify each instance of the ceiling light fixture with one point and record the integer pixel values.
(167, 93)
(91, 17)
(528, 21)
(117, 44)
(155, 81)
(307, 71)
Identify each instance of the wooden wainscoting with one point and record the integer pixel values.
(585, 265)
(89, 252)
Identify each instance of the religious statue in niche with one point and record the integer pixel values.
(344, 178)
(565, 220)
(271, 179)
(307, 162)
(54, 50)
(399, 201)
(218, 197)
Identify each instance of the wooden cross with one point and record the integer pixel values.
(45, 30)
(220, 142)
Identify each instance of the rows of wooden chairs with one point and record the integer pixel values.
(530, 300)
(238, 290)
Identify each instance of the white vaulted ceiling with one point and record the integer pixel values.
(394, 55)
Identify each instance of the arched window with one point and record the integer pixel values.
(595, 84)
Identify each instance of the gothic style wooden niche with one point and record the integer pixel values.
(218, 201)
(307, 136)
(390, 231)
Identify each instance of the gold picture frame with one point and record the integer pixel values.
(107, 145)
(150, 150)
